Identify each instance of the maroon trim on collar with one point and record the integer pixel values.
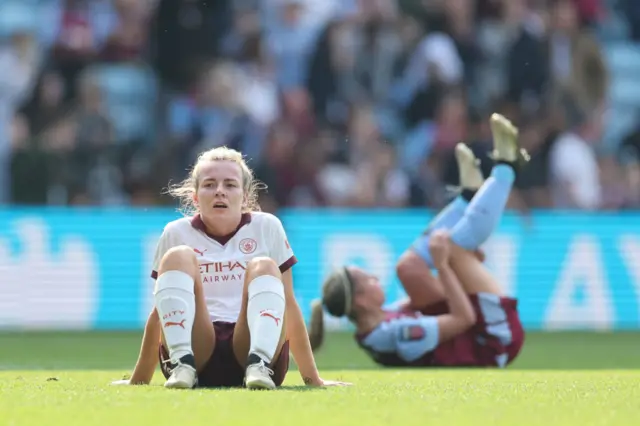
(197, 223)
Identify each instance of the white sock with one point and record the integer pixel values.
(265, 312)
(176, 306)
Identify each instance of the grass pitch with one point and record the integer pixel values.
(560, 379)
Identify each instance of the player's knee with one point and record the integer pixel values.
(259, 266)
(408, 263)
(263, 275)
(179, 258)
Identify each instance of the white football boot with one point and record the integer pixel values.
(183, 376)
(258, 376)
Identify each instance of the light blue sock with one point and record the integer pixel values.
(447, 219)
(484, 212)
(450, 215)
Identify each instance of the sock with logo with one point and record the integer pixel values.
(485, 209)
(176, 306)
(265, 313)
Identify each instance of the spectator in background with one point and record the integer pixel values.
(84, 29)
(330, 64)
(48, 102)
(128, 37)
(532, 183)
(257, 86)
(246, 25)
(187, 34)
(19, 60)
(290, 39)
(527, 65)
(28, 168)
(615, 192)
(336, 102)
(574, 169)
(460, 25)
(631, 11)
(577, 66)
(213, 115)
(376, 182)
(274, 167)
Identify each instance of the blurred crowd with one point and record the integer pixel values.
(335, 102)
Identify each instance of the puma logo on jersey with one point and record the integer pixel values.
(173, 323)
(201, 253)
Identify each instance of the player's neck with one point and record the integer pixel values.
(221, 228)
(368, 321)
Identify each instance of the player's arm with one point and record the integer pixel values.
(461, 316)
(148, 357)
(316, 325)
(410, 337)
(298, 335)
(296, 328)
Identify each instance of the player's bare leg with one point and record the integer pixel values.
(473, 275)
(412, 270)
(422, 288)
(187, 331)
(259, 332)
(494, 313)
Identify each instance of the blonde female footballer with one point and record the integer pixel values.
(225, 313)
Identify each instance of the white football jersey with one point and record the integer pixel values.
(223, 260)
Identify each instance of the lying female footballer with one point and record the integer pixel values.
(460, 318)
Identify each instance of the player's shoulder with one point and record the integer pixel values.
(264, 219)
(178, 226)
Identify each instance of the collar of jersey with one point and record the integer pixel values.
(197, 223)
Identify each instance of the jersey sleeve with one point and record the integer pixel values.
(410, 338)
(280, 250)
(167, 240)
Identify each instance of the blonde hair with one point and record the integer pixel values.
(316, 325)
(185, 190)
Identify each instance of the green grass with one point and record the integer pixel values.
(560, 379)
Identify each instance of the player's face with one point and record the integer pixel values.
(220, 192)
(368, 287)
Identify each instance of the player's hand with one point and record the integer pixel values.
(128, 382)
(329, 383)
(439, 247)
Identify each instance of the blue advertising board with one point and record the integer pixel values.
(89, 268)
